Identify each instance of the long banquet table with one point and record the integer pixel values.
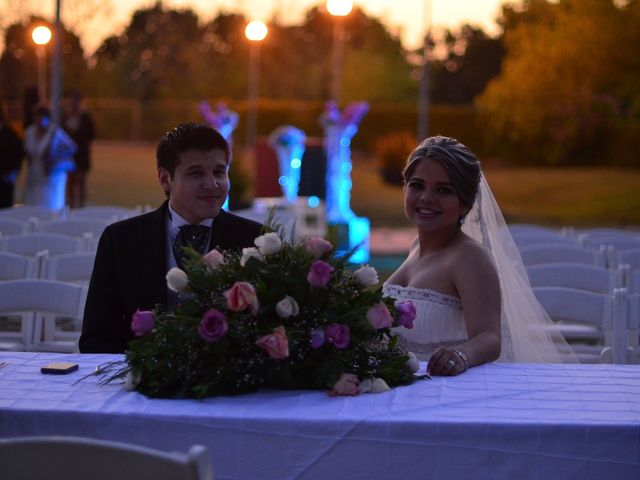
(495, 421)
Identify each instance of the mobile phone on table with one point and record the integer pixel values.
(59, 368)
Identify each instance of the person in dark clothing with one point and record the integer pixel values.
(11, 154)
(79, 124)
(134, 255)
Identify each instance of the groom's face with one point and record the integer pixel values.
(430, 201)
(199, 185)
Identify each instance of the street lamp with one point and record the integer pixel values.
(41, 36)
(338, 8)
(423, 99)
(255, 31)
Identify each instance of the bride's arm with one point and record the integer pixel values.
(476, 280)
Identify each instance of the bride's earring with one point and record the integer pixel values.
(461, 220)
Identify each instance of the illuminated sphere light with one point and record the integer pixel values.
(339, 8)
(313, 202)
(296, 163)
(41, 35)
(256, 31)
(283, 180)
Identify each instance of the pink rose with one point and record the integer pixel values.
(348, 384)
(275, 344)
(405, 313)
(213, 259)
(213, 325)
(142, 322)
(241, 296)
(319, 273)
(317, 246)
(338, 335)
(379, 316)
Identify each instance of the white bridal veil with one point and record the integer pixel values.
(528, 334)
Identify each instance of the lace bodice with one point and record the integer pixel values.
(439, 319)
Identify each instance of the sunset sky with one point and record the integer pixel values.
(404, 17)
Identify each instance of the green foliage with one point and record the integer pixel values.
(571, 75)
(174, 360)
(392, 151)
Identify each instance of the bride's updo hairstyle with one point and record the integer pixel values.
(460, 163)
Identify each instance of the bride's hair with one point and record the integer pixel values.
(461, 165)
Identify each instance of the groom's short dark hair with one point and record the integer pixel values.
(188, 136)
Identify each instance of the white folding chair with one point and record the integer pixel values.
(574, 275)
(591, 322)
(109, 213)
(526, 239)
(529, 228)
(17, 267)
(26, 212)
(632, 315)
(74, 227)
(10, 226)
(37, 303)
(537, 254)
(76, 458)
(70, 267)
(30, 244)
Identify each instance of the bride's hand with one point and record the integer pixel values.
(445, 361)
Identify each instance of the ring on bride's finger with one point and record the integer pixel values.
(451, 363)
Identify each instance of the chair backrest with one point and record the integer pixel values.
(70, 267)
(78, 458)
(523, 240)
(25, 212)
(574, 306)
(30, 244)
(17, 267)
(75, 227)
(104, 212)
(537, 254)
(10, 226)
(37, 301)
(629, 257)
(574, 275)
(617, 242)
(529, 228)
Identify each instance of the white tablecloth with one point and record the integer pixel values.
(495, 421)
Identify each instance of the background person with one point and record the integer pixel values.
(79, 124)
(10, 159)
(134, 255)
(49, 153)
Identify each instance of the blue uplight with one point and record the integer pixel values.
(313, 202)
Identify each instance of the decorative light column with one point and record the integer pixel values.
(255, 31)
(41, 36)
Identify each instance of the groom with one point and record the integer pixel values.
(134, 255)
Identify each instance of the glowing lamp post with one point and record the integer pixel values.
(255, 32)
(338, 8)
(41, 36)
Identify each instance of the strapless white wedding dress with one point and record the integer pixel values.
(439, 319)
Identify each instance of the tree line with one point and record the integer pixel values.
(559, 84)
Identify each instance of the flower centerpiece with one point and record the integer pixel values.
(281, 315)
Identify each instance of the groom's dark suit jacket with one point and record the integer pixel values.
(129, 273)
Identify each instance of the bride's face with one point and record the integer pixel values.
(430, 201)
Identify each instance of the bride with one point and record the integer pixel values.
(464, 273)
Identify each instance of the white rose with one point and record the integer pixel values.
(248, 253)
(378, 386)
(177, 280)
(269, 243)
(412, 364)
(366, 276)
(213, 259)
(287, 307)
(374, 385)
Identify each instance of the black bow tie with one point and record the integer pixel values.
(194, 236)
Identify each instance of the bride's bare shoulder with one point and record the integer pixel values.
(468, 253)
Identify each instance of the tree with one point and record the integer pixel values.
(570, 75)
(18, 62)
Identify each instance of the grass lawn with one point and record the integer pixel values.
(124, 174)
